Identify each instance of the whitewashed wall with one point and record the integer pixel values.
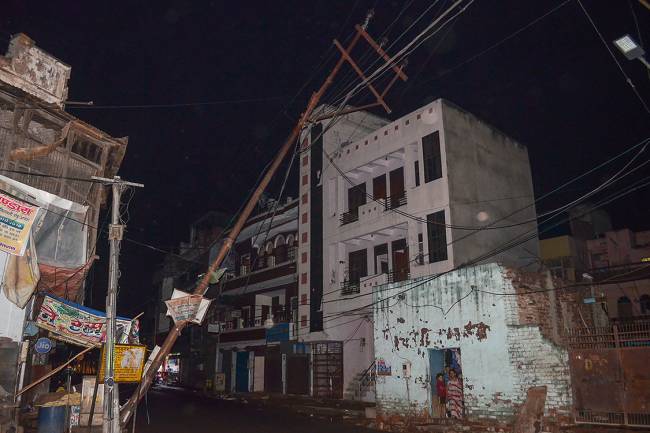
(501, 359)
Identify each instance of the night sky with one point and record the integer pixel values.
(552, 86)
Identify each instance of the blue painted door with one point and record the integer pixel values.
(436, 365)
(241, 384)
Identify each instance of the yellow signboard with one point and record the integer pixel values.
(129, 362)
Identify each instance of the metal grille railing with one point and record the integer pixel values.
(395, 201)
(350, 287)
(398, 275)
(350, 216)
(624, 334)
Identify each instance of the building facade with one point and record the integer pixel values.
(47, 159)
(253, 325)
(615, 262)
(383, 202)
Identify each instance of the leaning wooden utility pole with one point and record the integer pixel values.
(174, 333)
(115, 232)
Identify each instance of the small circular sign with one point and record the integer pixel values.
(43, 345)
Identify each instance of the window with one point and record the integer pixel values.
(245, 264)
(305, 160)
(304, 237)
(437, 237)
(290, 240)
(417, 173)
(644, 302)
(305, 179)
(397, 192)
(303, 299)
(381, 259)
(269, 248)
(431, 157)
(303, 321)
(356, 196)
(379, 187)
(400, 260)
(624, 307)
(420, 257)
(358, 265)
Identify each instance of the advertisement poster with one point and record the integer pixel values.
(81, 325)
(383, 368)
(16, 219)
(129, 363)
(184, 309)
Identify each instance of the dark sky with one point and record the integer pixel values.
(553, 87)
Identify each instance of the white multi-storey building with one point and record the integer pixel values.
(390, 201)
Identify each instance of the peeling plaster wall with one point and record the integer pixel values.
(500, 357)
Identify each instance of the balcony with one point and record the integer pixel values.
(350, 216)
(373, 281)
(350, 288)
(238, 324)
(395, 201)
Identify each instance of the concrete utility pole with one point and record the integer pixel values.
(290, 142)
(115, 231)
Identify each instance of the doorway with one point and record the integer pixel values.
(401, 267)
(446, 382)
(241, 372)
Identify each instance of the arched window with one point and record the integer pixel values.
(279, 240)
(290, 240)
(624, 307)
(269, 248)
(644, 303)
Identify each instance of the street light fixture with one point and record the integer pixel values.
(630, 49)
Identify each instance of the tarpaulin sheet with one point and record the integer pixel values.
(60, 229)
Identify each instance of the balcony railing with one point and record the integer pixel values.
(398, 275)
(395, 201)
(350, 287)
(350, 216)
(280, 316)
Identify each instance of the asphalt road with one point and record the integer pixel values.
(179, 411)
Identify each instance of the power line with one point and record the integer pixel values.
(177, 104)
(500, 42)
(275, 208)
(53, 176)
(512, 243)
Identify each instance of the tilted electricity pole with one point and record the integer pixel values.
(174, 333)
(115, 232)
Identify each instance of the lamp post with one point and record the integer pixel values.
(631, 49)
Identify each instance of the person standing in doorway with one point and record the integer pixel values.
(441, 391)
(455, 395)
